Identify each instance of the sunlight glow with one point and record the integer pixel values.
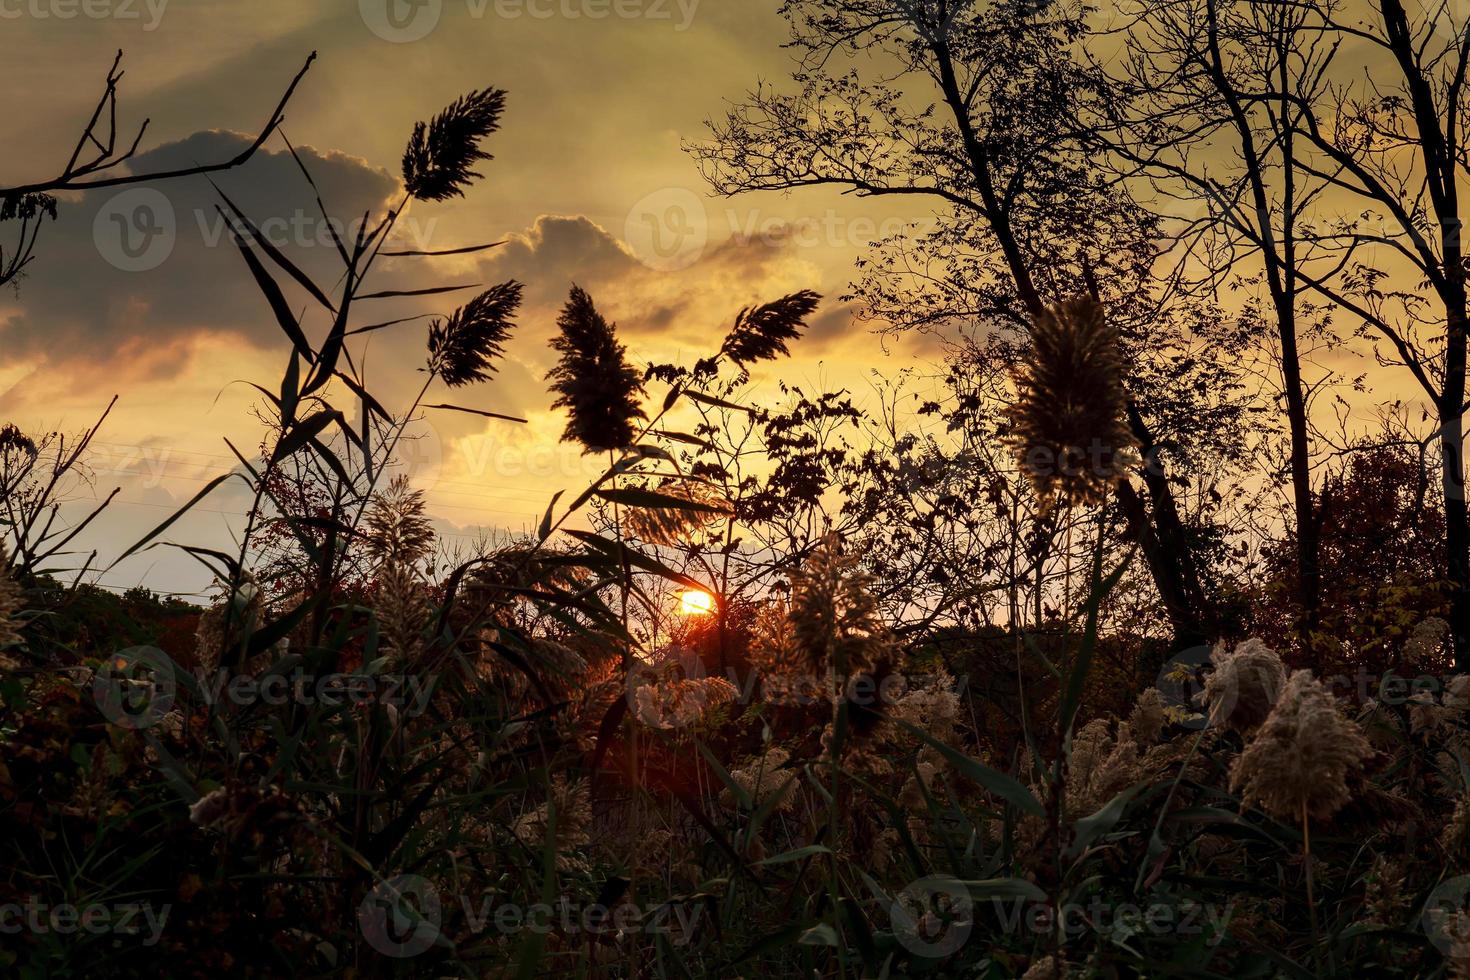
(696, 603)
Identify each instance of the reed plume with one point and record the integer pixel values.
(593, 379)
(1298, 761)
(1067, 424)
(1243, 686)
(439, 155)
(761, 333)
(396, 528)
(463, 348)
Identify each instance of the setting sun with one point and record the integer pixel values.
(696, 603)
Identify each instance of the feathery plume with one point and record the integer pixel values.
(760, 333)
(463, 347)
(1425, 640)
(1243, 686)
(397, 529)
(834, 617)
(1299, 759)
(671, 525)
(437, 161)
(1067, 423)
(763, 778)
(1149, 717)
(401, 607)
(593, 379)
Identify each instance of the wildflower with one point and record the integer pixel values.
(760, 334)
(1243, 685)
(437, 161)
(1298, 761)
(593, 379)
(1149, 717)
(463, 347)
(1067, 424)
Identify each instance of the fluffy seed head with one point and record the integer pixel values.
(1067, 424)
(593, 380)
(437, 161)
(1244, 685)
(464, 347)
(761, 333)
(835, 619)
(397, 529)
(1299, 760)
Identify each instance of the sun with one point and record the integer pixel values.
(696, 603)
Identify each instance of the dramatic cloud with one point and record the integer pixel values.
(159, 261)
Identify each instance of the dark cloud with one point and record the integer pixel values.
(146, 266)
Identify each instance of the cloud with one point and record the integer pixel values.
(125, 271)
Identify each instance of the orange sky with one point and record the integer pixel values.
(590, 184)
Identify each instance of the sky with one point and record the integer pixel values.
(138, 292)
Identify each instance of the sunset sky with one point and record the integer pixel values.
(589, 184)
